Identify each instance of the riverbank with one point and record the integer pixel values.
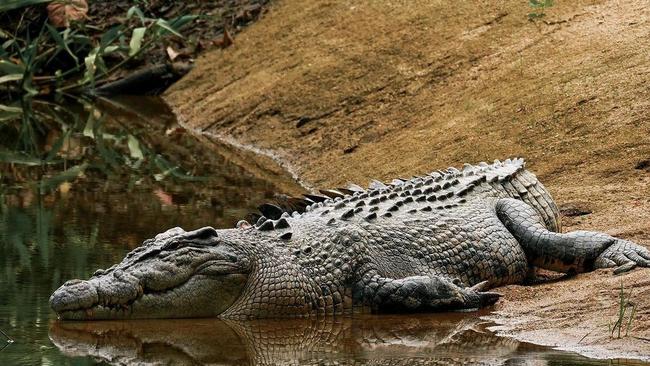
(345, 93)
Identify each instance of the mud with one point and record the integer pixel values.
(344, 92)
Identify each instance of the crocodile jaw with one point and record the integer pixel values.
(200, 296)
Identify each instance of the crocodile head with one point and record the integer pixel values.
(177, 274)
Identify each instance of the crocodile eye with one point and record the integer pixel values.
(171, 245)
(205, 236)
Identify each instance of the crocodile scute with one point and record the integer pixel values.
(437, 242)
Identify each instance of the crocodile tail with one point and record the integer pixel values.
(524, 185)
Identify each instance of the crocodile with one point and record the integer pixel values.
(438, 242)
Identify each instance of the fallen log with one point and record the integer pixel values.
(153, 80)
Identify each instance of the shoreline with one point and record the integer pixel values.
(350, 94)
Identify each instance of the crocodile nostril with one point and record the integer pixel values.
(74, 294)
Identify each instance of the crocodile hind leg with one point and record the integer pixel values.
(574, 252)
(421, 293)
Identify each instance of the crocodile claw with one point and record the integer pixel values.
(489, 298)
(625, 268)
(480, 297)
(481, 286)
(624, 255)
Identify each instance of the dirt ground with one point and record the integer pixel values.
(345, 91)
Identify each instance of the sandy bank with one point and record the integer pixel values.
(347, 91)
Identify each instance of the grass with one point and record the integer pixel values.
(616, 328)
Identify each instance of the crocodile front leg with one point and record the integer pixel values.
(422, 293)
(577, 251)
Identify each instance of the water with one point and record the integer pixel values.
(378, 340)
(68, 228)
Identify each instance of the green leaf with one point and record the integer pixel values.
(6, 108)
(136, 40)
(12, 157)
(8, 43)
(57, 146)
(54, 182)
(4, 34)
(89, 61)
(61, 41)
(178, 22)
(135, 10)
(8, 113)
(15, 4)
(89, 129)
(110, 36)
(111, 49)
(11, 77)
(134, 148)
(80, 39)
(107, 155)
(6, 116)
(168, 169)
(165, 28)
(7, 67)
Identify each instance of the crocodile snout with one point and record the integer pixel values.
(73, 295)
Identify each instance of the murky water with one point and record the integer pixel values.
(49, 236)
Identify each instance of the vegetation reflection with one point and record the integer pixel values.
(103, 180)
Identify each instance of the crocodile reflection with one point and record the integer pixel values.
(383, 340)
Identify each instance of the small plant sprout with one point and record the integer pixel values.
(538, 8)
